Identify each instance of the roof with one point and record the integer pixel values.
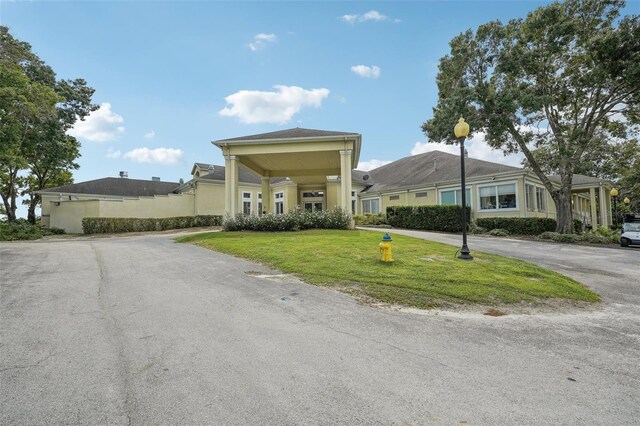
(579, 179)
(429, 168)
(244, 175)
(123, 187)
(296, 133)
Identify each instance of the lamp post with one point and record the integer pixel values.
(614, 197)
(461, 130)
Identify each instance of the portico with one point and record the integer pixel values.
(306, 157)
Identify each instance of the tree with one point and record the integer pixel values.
(36, 112)
(558, 86)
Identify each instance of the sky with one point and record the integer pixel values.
(172, 76)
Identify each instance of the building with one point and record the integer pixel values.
(315, 170)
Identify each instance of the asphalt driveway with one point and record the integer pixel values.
(141, 330)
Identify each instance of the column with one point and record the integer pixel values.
(594, 211)
(231, 185)
(345, 180)
(603, 207)
(267, 205)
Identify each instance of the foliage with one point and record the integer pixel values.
(578, 226)
(429, 218)
(19, 230)
(424, 274)
(295, 220)
(497, 232)
(369, 219)
(36, 111)
(558, 85)
(518, 225)
(594, 237)
(109, 225)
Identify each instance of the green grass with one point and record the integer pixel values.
(424, 274)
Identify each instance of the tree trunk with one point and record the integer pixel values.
(31, 213)
(10, 209)
(564, 209)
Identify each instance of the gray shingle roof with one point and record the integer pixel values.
(244, 175)
(117, 187)
(579, 179)
(289, 134)
(429, 168)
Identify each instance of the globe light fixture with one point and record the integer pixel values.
(614, 197)
(461, 130)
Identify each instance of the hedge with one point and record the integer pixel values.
(430, 218)
(519, 225)
(295, 220)
(109, 225)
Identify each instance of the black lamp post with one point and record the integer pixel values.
(462, 131)
(614, 197)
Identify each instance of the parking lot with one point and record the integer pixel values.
(141, 330)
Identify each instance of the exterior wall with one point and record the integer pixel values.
(158, 206)
(68, 215)
(209, 198)
(290, 197)
(333, 194)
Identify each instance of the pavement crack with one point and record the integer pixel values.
(19, 367)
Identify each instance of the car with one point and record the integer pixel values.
(630, 234)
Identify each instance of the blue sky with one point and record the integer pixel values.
(173, 76)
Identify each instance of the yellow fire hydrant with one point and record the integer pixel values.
(385, 248)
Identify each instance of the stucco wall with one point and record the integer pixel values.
(68, 215)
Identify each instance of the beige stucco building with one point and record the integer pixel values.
(316, 170)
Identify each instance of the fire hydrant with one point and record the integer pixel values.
(385, 248)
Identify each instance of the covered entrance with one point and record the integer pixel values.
(314, 161)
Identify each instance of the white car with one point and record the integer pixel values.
(630, 234)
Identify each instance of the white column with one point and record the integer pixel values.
(592, 202)
(231, 185)
(345, 180)
(266, 196)
(603, 207)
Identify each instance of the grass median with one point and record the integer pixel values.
(424, 274)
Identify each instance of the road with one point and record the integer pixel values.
(141, 330)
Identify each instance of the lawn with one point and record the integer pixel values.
(424, 274)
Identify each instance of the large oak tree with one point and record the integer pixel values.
(36, 111)
(557, 86)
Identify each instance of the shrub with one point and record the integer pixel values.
(430, 218)
(104, 225)
(19, 230)
(519, 225)
(499, 232)
(369, 219)
(475, 229)
(577, 226)
(294, 220)
(589, 237)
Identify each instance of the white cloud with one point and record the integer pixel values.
(261, 40)
(253, 106)
(111, 153)
(101, 125)
(150, 134)
(157, 155)
(372, 15)
(476, 147)
(366, 71)
(371, 164)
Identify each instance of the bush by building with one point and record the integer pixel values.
(428, 218)
(295, 220)
(370, 219)
(108, 225)
(519, 225)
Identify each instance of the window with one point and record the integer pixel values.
(394, 197)
(454, 197)
(313, 194)
(246, 203)
(371, 206)
(541, 199)
(498, 197)
(421, 194)
(529, 197)
(279, 202)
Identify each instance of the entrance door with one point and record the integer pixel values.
(313, 206)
